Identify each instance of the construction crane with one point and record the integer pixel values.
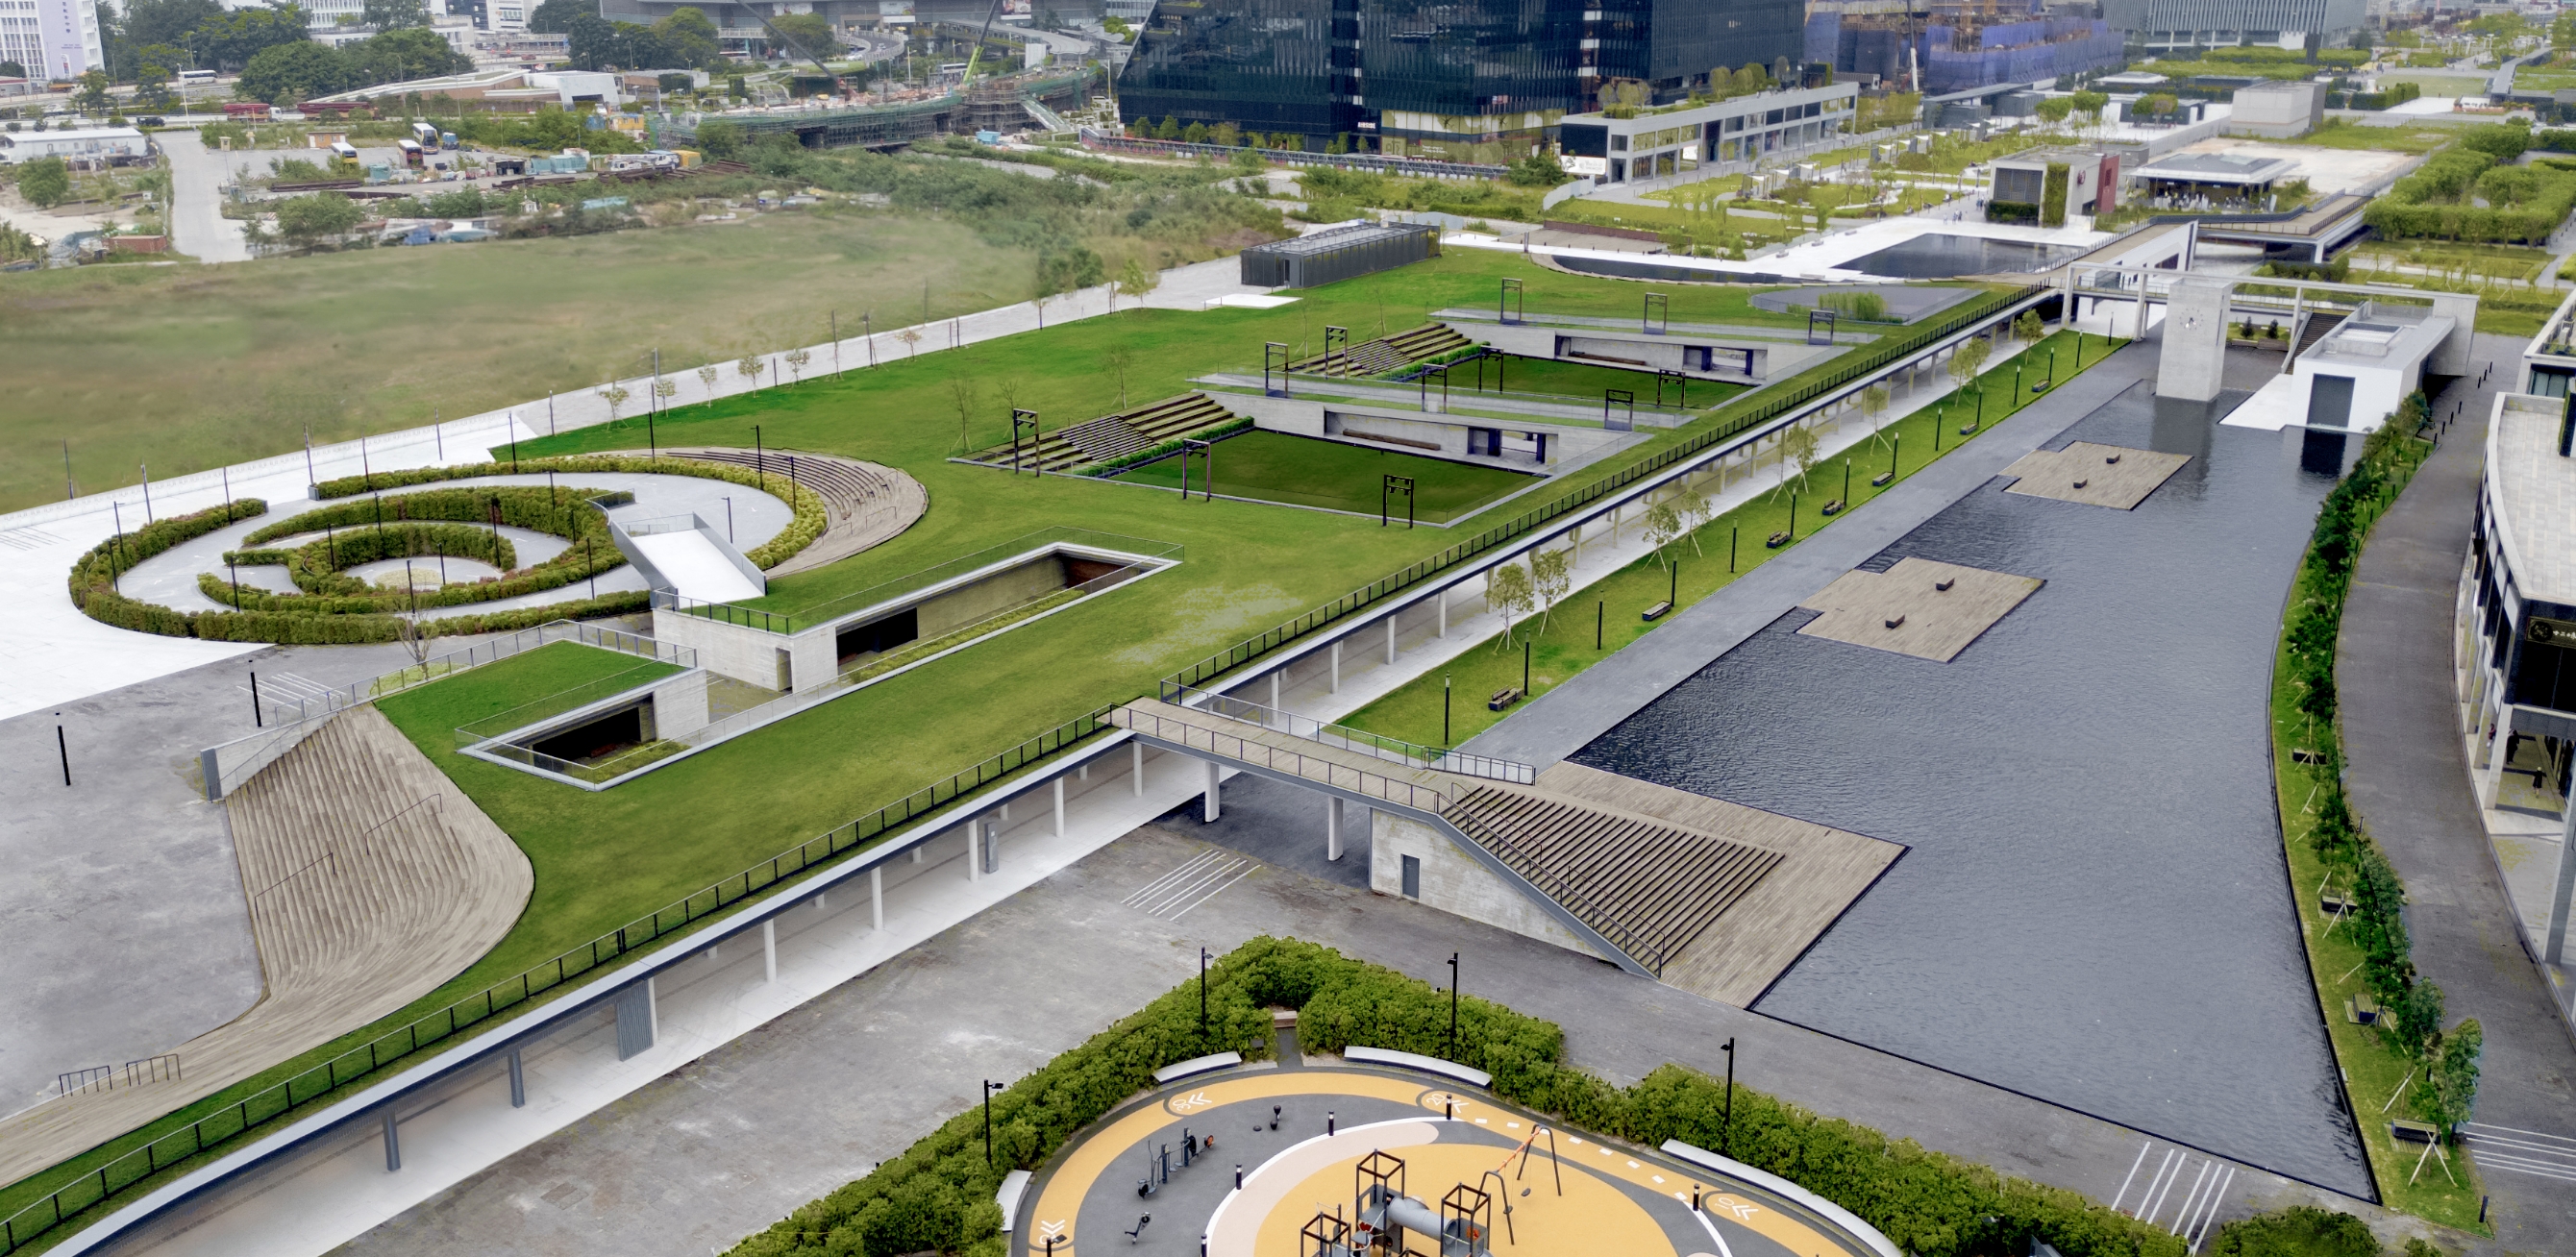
(978, 53)
(838, 87)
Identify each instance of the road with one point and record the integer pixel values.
(196, 199)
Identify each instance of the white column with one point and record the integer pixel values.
(1059, 807)
(1138, 754)
(1443, 632)
(1333, 828)
(918, 853)
(974, 856)
(1208, 810)
(1390, 637)
(2563, 888)
(819, 905)
(769, 949)
(1082, 772)
(1337, 666)
(1275, 674)
(876, 898)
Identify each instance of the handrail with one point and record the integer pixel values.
(1375, 745)
(1403, 793)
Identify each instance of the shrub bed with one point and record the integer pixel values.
(812, 517)
(939, 1194)
(317, 566)
(2522, 203)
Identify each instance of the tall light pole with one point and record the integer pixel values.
(990, 1087)
(1203, 964)
(1453, 1006)
(1726, 1124)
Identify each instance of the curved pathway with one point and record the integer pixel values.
(2403, 747)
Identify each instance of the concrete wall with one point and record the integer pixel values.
(991, 596)
(680, 704)
(1456, 882)
(1450, 438)
(733, 650)
(2194, 358)
(2376, 391)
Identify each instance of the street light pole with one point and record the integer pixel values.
(1453, 1005)
(990, 1087)
(1203, 964)
(1726, 1124)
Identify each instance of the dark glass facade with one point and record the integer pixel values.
(1324, 67)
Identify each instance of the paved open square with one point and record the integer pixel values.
(2095, 475)
(1920, 607)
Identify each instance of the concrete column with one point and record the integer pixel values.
(1390, 638)
(1337, 666)
(2562, 889)
(1059, 807)
(1137, 749)
(769, 949)
(1275, 674)
(1443, 632)
(518, 1081)
(917, 854)
(990, 854)
(1333, 828)
(974, 853)
(876, 898)
(1208, 808)
(2491, 779)
(393, 1143)
(819, 905)
(1082, 771)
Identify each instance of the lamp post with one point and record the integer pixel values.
(1444, 709)
(1203, 964)
(1453, 1005)
(1726, 1125)
(990, 1087)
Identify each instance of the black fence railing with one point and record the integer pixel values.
(1751, 411)
(299, 1092)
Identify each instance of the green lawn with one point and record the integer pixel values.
(1305, 471)
(525, 687)
(2414, 137)
(1446, 709)
(1585, 381)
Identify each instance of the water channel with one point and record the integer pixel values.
(2093, 908)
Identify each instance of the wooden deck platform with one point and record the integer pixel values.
(1919, 607)
(2095, 475)
(1821, 871)
(371, 879)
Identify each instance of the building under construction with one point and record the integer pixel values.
(1943, 46)
(1013, 103)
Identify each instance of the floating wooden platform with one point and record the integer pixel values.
(1908, 609)
(2094, 475)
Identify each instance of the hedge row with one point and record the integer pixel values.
(2410, 1018)
(316, 565)
(117, 555)
(2437, 200)
(812, 516)
(939, 1194)
(319, 568)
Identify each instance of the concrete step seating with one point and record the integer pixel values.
(1662, 883)
(1377, 357)
(865, 504)
(1114, 436)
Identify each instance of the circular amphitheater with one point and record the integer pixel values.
(1313, 1160)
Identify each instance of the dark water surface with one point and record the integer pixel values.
(2093, 908)
(1939, 255)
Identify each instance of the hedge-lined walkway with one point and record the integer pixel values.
(2410, 786)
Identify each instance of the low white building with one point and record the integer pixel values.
(2278, 111)
(95, 142)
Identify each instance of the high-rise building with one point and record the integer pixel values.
(1449, 74)
(53, 39)
(1953, 46)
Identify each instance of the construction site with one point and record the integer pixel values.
(1941, 46)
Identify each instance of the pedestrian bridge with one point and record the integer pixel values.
(1707, 895)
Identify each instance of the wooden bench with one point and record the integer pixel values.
(1777, 540)
(1503, 698)
(1656, 612)
(2361, 1010)
(1834, 507)
(2334, 904)
(2403, 1131)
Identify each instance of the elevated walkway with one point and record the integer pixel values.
(1709, 896)
(371, 880)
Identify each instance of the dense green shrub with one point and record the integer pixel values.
(2298, 1231)
(938, 1194)
(2523, 203)
(316, 565)
(96, 572)
(811, 515)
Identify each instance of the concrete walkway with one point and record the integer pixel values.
(1561, 721)
(197, 224)
(2411, 788)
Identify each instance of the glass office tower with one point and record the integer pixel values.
(1475, 72)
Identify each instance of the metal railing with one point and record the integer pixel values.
(1731, 420)
(785, 623)
(1377, 746)
(1319, 769)
(269, 1104)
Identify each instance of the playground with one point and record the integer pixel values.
(1332, 1160)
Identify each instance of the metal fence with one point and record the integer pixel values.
(1376, 746)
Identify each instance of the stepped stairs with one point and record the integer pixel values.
(1113, 436)
(864, 503)
(1377, 357)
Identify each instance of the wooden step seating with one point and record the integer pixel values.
(1664, 883)
(1386, 354)
(371, 879)
(1113, 436)
(867, 504)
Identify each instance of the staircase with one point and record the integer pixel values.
(1390, 353)
(2320, 324)
(1113, 436)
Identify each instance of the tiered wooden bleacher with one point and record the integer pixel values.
(1111, 437)
(867, 504)
(1377, 357)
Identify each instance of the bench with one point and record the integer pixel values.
(2403, 1131)
(1778, 539)
(2361, 1010)
(1469, 1075)
(1198, 1065)
(1834, 507)
(2333, 904)
(1503, 698)
(1656, 612)
(1880, 480)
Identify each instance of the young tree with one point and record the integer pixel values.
(615, 395)
(1695, 510)
(2028, 327)
(911, 338)
(2451, 1078)
(1798, 448)
(1969, 359)
(748, 367)
(1118, 359)
(46, 182)
(796, 360)
(707, 377)
(1135, 280)
(963, 390)
(1874, 401)
(664, 390)
(1550, 577)
(310, 219)
(1508, 591)
(1663, 527)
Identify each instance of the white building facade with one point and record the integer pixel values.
(53, 39)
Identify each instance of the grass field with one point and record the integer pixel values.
(1444, 710)
(1304, 471)
(1583, 380)
(530, 686)
(187, 368)
(2414, 137)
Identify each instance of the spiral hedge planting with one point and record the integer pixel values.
(411, 525)
(812, 517)
(938, 1196)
